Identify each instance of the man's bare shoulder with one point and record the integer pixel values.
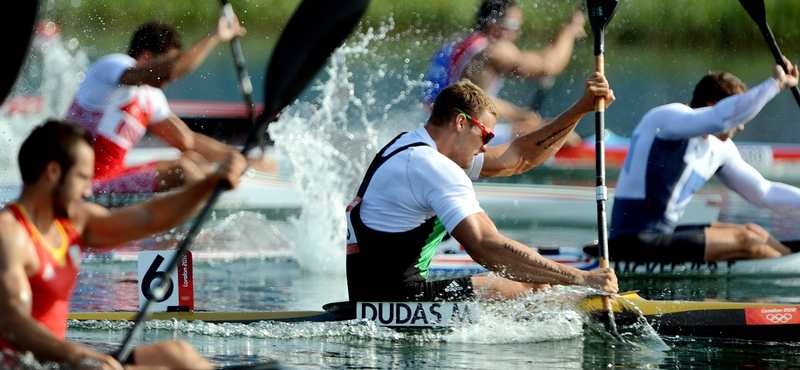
(13, 237)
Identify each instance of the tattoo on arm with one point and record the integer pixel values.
(539, 261)
(555, 137)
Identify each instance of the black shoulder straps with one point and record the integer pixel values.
(380, 159)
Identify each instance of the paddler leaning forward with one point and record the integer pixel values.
(42, 236)
(419, 187)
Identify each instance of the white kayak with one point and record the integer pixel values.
(521, 205)
(460, 263)
(788, 265)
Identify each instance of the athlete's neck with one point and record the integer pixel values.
(39, 206)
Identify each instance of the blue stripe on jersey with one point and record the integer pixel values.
(661, 179)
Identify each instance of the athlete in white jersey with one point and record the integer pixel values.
(418, 187)
(121, 99)
(675, 149)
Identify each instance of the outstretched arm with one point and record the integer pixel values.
(683, 122)
(533, 149)
(172, 66)
(106, 228)
(746, 181)
(505, 57)
(516, 261)
(177, 134)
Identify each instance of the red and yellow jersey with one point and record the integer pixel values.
(53, 283)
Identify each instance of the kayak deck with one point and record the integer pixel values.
(712, 319)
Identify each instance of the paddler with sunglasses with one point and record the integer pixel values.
(419, 187)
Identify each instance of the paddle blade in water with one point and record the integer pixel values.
(317, 28)
(630, 327)
(16, 46)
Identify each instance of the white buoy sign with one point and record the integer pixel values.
(178, 292)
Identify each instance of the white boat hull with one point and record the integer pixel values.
(460, 263)
(509, 205)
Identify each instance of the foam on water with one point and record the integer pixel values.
(549, 315)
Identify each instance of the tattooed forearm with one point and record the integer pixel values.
(516, 251)
(555, 137)
(541, 262)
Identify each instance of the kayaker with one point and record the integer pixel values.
(42, 236)
(419, 187)
(674, 150)
(121, 100)
(487, 54)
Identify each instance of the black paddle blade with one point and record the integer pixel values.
(16, 47)
(755, 8)
(611, 328)
(316, 29)
(600, 12)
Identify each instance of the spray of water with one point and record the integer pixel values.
(44, 89)
(329, 144)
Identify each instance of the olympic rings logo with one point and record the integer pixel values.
(779, 318)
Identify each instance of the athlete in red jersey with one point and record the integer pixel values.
(55, 278)
(41, 237)
(120, 100)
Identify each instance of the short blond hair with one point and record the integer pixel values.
(463, 95)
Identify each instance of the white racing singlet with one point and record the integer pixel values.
(673, 153)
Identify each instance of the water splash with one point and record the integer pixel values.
(330, 143)
(44, 89)
(243, 231)
(546, 316)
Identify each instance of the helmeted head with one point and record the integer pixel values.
(156, 37)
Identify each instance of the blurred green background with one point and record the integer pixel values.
(657, 23)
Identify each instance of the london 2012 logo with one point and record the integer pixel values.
(787, 315)
(779, 318)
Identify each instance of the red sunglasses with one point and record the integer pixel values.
(487, 135)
